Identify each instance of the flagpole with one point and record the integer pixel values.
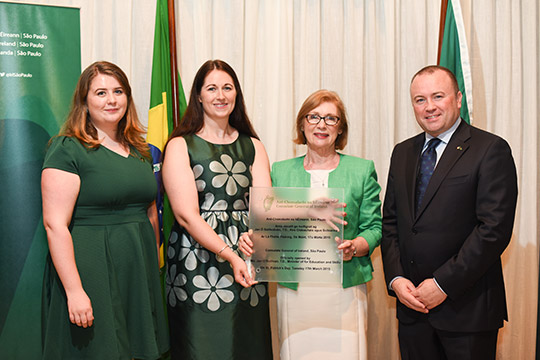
(442, 22)
(174, 66)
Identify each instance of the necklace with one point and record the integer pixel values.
(319, 178)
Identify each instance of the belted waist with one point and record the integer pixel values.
(100, 215)
(211, 211)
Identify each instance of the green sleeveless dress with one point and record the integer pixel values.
(210, 315)
(116, 255)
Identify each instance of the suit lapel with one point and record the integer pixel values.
(457, 146)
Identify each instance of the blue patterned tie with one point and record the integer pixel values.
(427, 165)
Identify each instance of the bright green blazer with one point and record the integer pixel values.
(359, 179)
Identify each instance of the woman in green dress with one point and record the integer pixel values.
(210, 161)
(102, 297)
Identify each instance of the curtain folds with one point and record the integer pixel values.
(367, 51)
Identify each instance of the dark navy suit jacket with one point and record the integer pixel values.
(462, 228)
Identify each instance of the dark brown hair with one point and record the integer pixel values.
(193, 119)
(314, 100)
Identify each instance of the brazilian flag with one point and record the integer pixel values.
(160, 123)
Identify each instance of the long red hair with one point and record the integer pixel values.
(78, 124)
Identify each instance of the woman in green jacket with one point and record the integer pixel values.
(327, 320)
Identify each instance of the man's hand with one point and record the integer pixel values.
(404, 290)
(429, 294)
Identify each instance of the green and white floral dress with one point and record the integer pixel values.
(210, 315)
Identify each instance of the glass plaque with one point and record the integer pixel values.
(296, 233)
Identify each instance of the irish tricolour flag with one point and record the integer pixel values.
(453, 52)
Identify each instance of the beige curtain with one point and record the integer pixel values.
(503, 40)
(367, 51)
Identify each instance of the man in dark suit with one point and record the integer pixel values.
(448, 215)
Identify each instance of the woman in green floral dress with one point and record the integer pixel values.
(215, 309)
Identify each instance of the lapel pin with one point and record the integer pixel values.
(459, 148)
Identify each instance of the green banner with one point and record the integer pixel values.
(40, 63)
